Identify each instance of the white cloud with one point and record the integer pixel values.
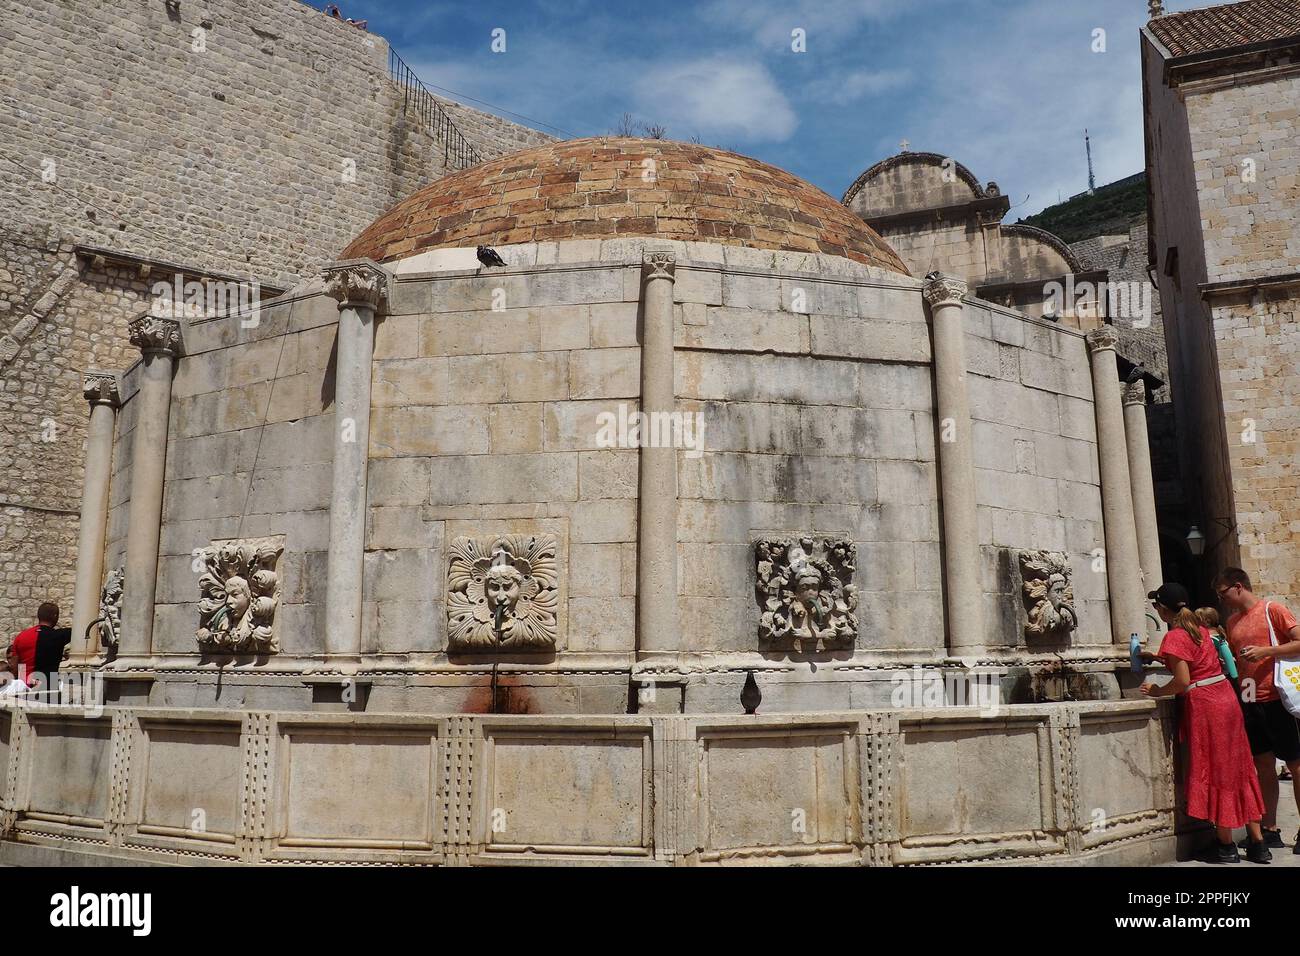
(827, 23)
(716, 98)
(854, 86)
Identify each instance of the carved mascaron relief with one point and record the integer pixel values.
(1048, 591)
(110, 607)
(503, 593)
(805, 592)
(239, 592)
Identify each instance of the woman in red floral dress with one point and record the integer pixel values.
(1222, 785)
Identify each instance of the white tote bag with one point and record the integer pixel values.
(1286, 673)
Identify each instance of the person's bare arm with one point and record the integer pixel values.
(1290, 649)
(1182, 680)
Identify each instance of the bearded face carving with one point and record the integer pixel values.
(502, 593)
(239, 592)
(1048, 594)
(804, 590)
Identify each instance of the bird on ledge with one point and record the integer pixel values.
(489, 257)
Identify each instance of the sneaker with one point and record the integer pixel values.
(1222, 853)
(1296, 849)
(1272, 838)
(1259, 853)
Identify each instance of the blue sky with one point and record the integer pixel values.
(1004, 86)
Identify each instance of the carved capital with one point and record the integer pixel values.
(358, 283)
(1135, 393)
(150, 333)
(1103, 338)
(101, 388)
(660, 265)
(944, 290)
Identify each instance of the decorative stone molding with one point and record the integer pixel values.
(1135, 393)
(239, 593)
(503, 593)
(1102, 338)
(805, 594)
(101, 388)
(944, 290)
(356, 283)
(150, 333)
(1047, 587)
(110, 607)
(660, 265)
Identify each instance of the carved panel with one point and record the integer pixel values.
(1047, 587)
(110, 607)
(239, 593)
(503, 593)
(805, 593)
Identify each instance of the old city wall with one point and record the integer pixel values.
(247, 137)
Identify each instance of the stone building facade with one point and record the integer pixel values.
(402, 529)
(1222, 94)
(137, 140)
(938, 216)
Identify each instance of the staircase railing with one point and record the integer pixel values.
(458, 152)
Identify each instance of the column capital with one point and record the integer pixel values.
(152, 333)
(1103, 338)
(660, 265)
(357, 282)
(101, 388)
(944, 290)
(1135, 393)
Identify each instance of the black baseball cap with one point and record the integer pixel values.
(1172, 596)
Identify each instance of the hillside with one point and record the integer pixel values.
(1112, 209)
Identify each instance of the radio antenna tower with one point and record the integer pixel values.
(1092, 180)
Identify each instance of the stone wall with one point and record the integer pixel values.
(1066, 783)
(1229, 139)
(1141, 335)
(118, 133)
(811, 375)
(1036, 471)
(1259, 368)
(249, 137)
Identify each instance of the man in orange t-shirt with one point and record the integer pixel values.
(1274, 733)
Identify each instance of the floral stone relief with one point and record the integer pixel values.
(503, 593)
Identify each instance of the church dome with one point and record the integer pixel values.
(607, 188)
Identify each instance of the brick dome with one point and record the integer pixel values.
(598, 188)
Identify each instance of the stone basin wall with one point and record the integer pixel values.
(1074, 783)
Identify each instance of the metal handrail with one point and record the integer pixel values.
(458, 152)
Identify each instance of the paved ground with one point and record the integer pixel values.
(1287, 818)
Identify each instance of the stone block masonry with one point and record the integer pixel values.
(253, 137)
(247, 136)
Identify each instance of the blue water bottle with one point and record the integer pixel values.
(1135, 653)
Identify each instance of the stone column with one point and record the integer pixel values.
(358, 286)
(159, 342)
(103, 393)
(1142, 484)
(963, 594)
(656, 569)
(1123, 566)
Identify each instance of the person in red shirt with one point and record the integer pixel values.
(35, 653)
(1274, 733)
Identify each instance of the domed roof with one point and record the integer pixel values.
(615, 187)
